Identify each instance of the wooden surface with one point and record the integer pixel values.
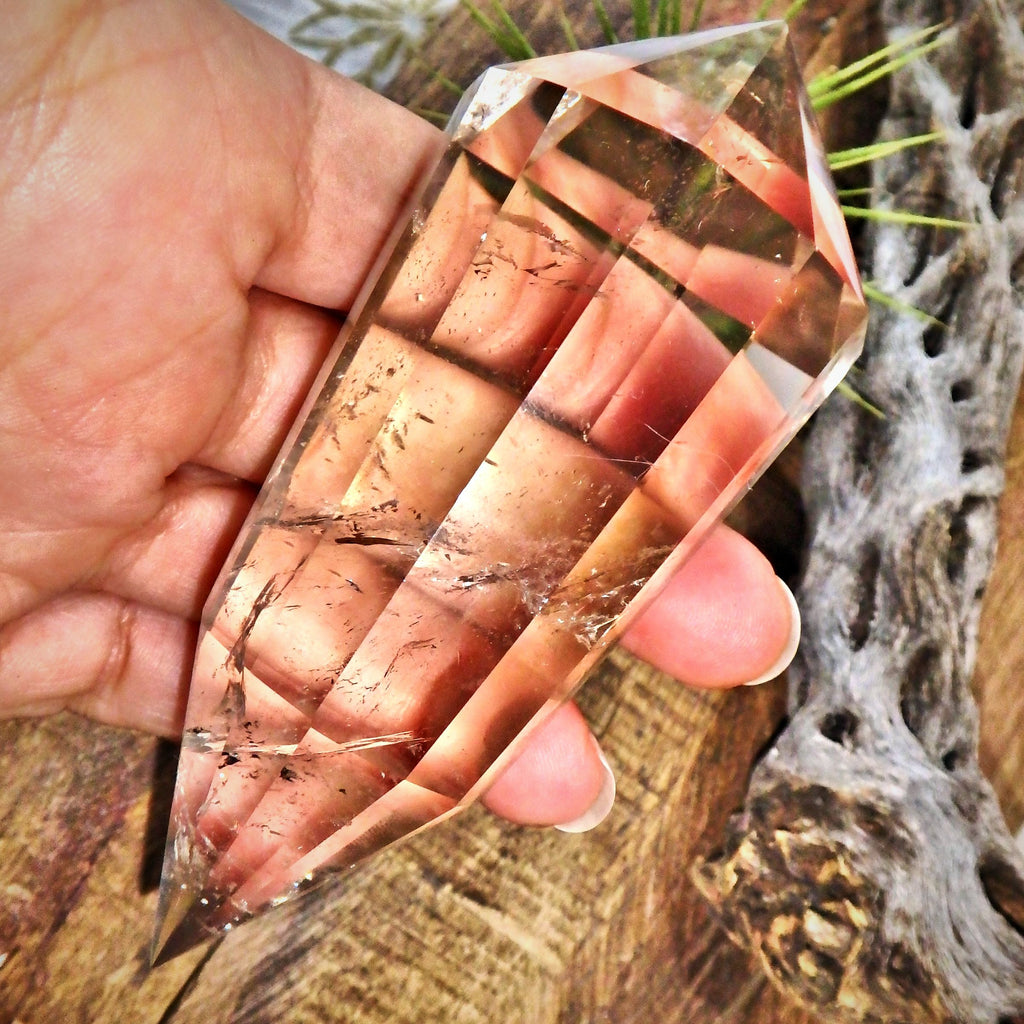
(476, 921)
(999, 673)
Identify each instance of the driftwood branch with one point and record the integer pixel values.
(871, 870)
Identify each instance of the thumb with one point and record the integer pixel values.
(358, 158)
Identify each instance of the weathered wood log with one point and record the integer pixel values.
(871, 870)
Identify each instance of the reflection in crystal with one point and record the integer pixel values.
(621, 293)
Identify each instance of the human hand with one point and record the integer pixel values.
(186, 205)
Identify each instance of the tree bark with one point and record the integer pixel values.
(871, 870)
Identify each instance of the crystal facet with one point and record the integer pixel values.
(620, 294)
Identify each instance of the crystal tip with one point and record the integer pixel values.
(186, 919)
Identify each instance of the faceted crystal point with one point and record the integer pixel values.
(623, 290)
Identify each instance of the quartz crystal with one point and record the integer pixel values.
(621, 292)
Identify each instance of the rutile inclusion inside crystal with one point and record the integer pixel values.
(623, 290)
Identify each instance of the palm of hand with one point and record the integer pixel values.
(160, 294)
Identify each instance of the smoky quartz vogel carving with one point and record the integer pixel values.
(622, 291)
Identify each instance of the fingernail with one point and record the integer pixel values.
(598, 810)
(782, 663)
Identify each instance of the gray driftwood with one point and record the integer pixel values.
(871, 870)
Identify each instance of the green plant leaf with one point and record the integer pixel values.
(843, 158)
(794, 9)
(604, 21)
(827, 80)
(697, 16)
(847, 390)
(904, 217)
(662, 18)
(483, 21)
(875, 294)
(438, 117)
(443, 80)
(675, 22)
(514, 31)
(507, 35)
(829, 88)
(565, 23)
(641, 19)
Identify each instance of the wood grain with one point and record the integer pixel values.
(999, 673)
(475, 921)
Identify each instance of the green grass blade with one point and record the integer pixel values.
(641, 19)
(509, 39)
(604, 21)
(823, 100)
(441, 79)
(567, 30)
(384, 57)
(662, 18)
(875, 294)
(904, 217)
(697, 16)
(794, 9)
(826, 81)
(843, 158)
(850, 392)
(515, 33)
(762, 11)
(482, 20)
(675, 21)
(438, 117)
